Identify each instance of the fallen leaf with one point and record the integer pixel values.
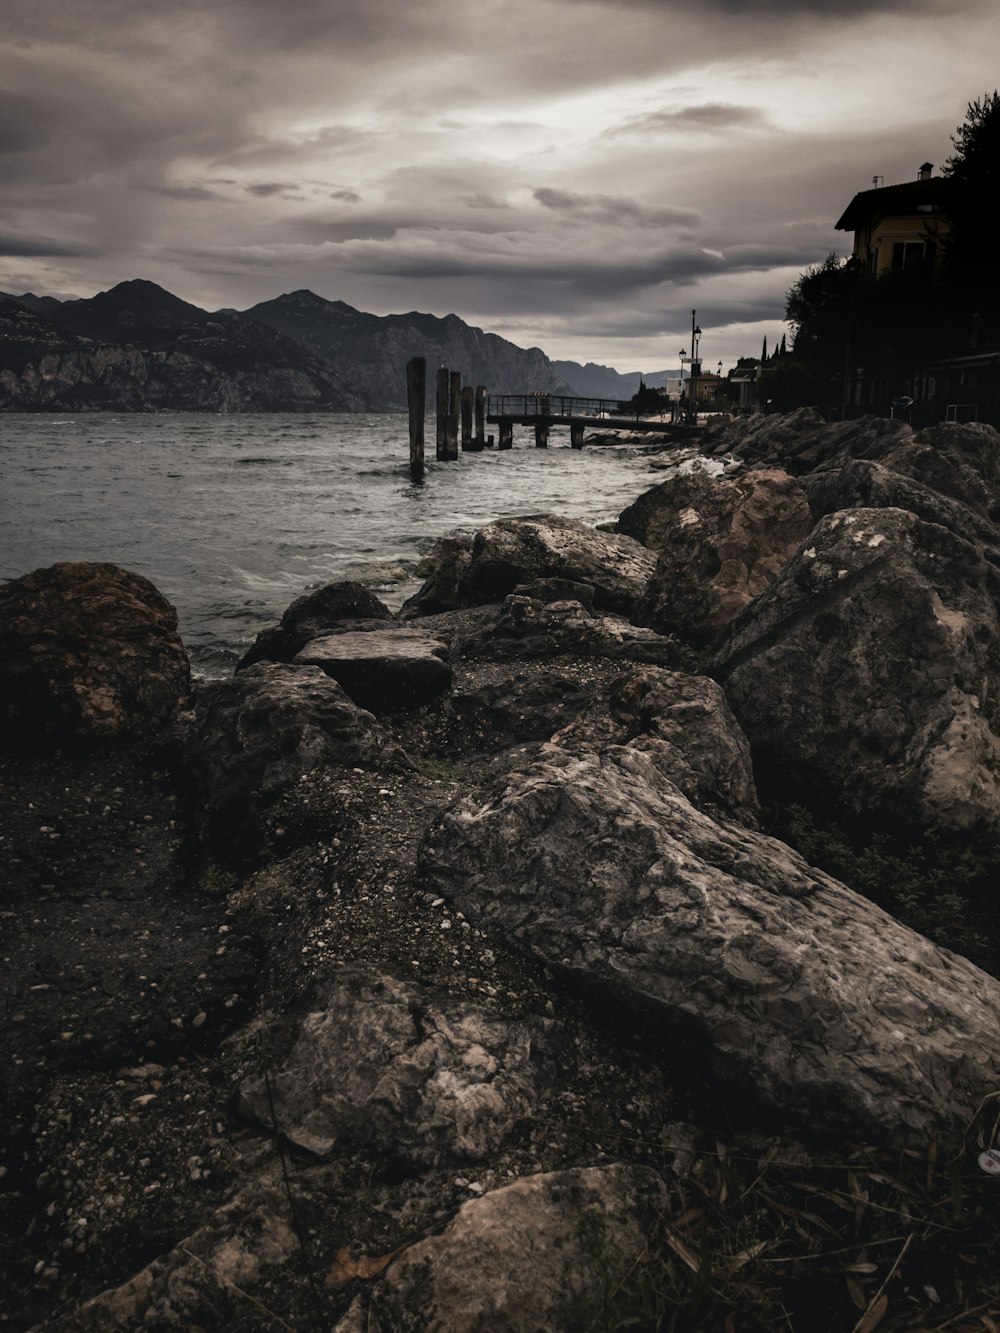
(345, 1269)
(857, 1293)
(873, 1316)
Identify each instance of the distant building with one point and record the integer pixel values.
(898, 228)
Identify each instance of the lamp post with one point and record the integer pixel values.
(680, 392)
(695, 369)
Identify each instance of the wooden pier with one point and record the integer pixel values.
(458, 406)
(545, 410)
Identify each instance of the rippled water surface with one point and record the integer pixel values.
(234, 517)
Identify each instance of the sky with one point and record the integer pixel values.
(576, 175)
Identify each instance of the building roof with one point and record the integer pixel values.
(919, 196)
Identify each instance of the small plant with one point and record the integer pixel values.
(934, 885)
(216, 882)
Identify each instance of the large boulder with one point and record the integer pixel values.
(719, 542)
(316, 613)
(861, 484)
(542, 1253)
(868, 673)
(961, 460)
(443, 568)
(376, 1061)
(87, 651)
(526, 628)
(800, 441)
(515, 551)
(685, 724)
(782, 985)
(383, 669)
(251, 738)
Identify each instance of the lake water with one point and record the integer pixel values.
(232, 517)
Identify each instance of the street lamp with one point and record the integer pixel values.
(695, 369)
(680, 391)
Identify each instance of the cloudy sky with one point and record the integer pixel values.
(571, 174)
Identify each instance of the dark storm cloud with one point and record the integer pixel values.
(616, 209)
(265, 189)
(754, 10)
(715, 117)
(13, 246)
(193, 193)
(26, 123)
(346, 196)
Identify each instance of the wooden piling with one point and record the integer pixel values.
(454, 407)
(480, 416)
(416, 376)
(467, 395)
(541, 434)
(576, 435)
(506, 434)
(442, 412)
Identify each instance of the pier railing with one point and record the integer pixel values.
(548, 405)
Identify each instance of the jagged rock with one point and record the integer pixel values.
(515, 551)
(538, 1254)
(685, 725)
(334, 606)
(861, 484)
(801, 440)
(526, 628)
(195, 1285)
(961, 460)
(87, 651)
(719, 542)
(868, 672)
(442, 570)
(788, 986)
(252, 737)
(383, 669)
(492, 708)
(378, 1062)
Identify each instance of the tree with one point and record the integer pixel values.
(972, 264)
(818, 308)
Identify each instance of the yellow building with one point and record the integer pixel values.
(898, 228)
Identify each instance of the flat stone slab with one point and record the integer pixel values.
(382, 669)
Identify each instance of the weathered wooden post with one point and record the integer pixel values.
(576, 434)
(442, 412)
(480, 416)
(416, 375)
(454, 398)
(467, 394)
(506, 434)
(541, 434)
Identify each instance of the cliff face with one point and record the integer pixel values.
(370, 352)
(139, 349)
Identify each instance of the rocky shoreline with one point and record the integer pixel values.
(441, 970)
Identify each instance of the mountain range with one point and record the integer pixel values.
(138, 347)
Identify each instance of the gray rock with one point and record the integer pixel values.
(251, 738)
(383, 669)
(442, 570)
(868, 672)
(784, 984)
(319, 612)
(862, 484)
(378, 1062)
(196, 1284)
(526, 628)
(685, 725)
(720, 543)
(87, 652)
(515, 551)
(538, 1254)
